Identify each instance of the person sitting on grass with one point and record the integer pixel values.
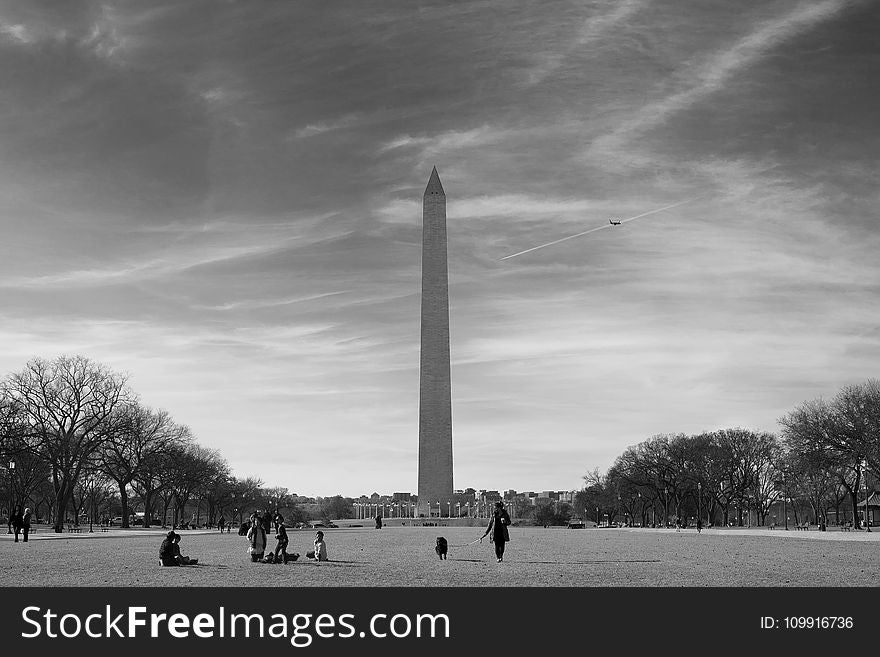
(320, 551)
(169, 552)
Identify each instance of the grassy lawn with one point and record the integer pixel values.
(404, 556)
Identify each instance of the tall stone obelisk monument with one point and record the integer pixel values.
(435, 390)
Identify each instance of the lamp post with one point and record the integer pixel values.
(448, 509)
(784, 507)
(699, 503)
(666, 506)
(92, 506)
(597, 516)
(11, 494)
(865, 470)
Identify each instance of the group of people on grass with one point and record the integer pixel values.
(20, 522)
(257, 535)
(261, 523)
(256, 531)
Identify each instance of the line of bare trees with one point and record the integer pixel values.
(826, 458)
(79, 436)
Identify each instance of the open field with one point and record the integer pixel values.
(404, 556)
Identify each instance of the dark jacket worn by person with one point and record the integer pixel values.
(498, 526)
(168, 552)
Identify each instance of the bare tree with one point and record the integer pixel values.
(845, 430)
(136, 436)
(66, 404)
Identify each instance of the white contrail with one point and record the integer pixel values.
(593, 230)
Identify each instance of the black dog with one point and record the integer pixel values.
(442, 547)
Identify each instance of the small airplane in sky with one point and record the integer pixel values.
(611, 222)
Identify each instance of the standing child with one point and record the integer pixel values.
(281, 555)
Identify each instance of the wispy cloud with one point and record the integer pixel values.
(17, 34)
(701, 80)
(314, 129)
(446, 141)
(594, 28)
(256, 304)
(510, 206)
(151, 268)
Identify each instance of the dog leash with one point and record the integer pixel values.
(467, 544)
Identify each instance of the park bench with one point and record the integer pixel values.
(72, 529)
(803, 526)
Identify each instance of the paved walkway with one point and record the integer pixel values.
(779, 532)
(44, 533)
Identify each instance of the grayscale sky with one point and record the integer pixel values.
(223, 199)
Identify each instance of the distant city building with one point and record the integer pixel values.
(491, 496)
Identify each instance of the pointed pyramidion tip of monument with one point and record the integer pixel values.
(434, 186)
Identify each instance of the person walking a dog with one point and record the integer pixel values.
(498, 526)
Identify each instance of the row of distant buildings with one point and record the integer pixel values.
(467, 499)
(481, 495)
